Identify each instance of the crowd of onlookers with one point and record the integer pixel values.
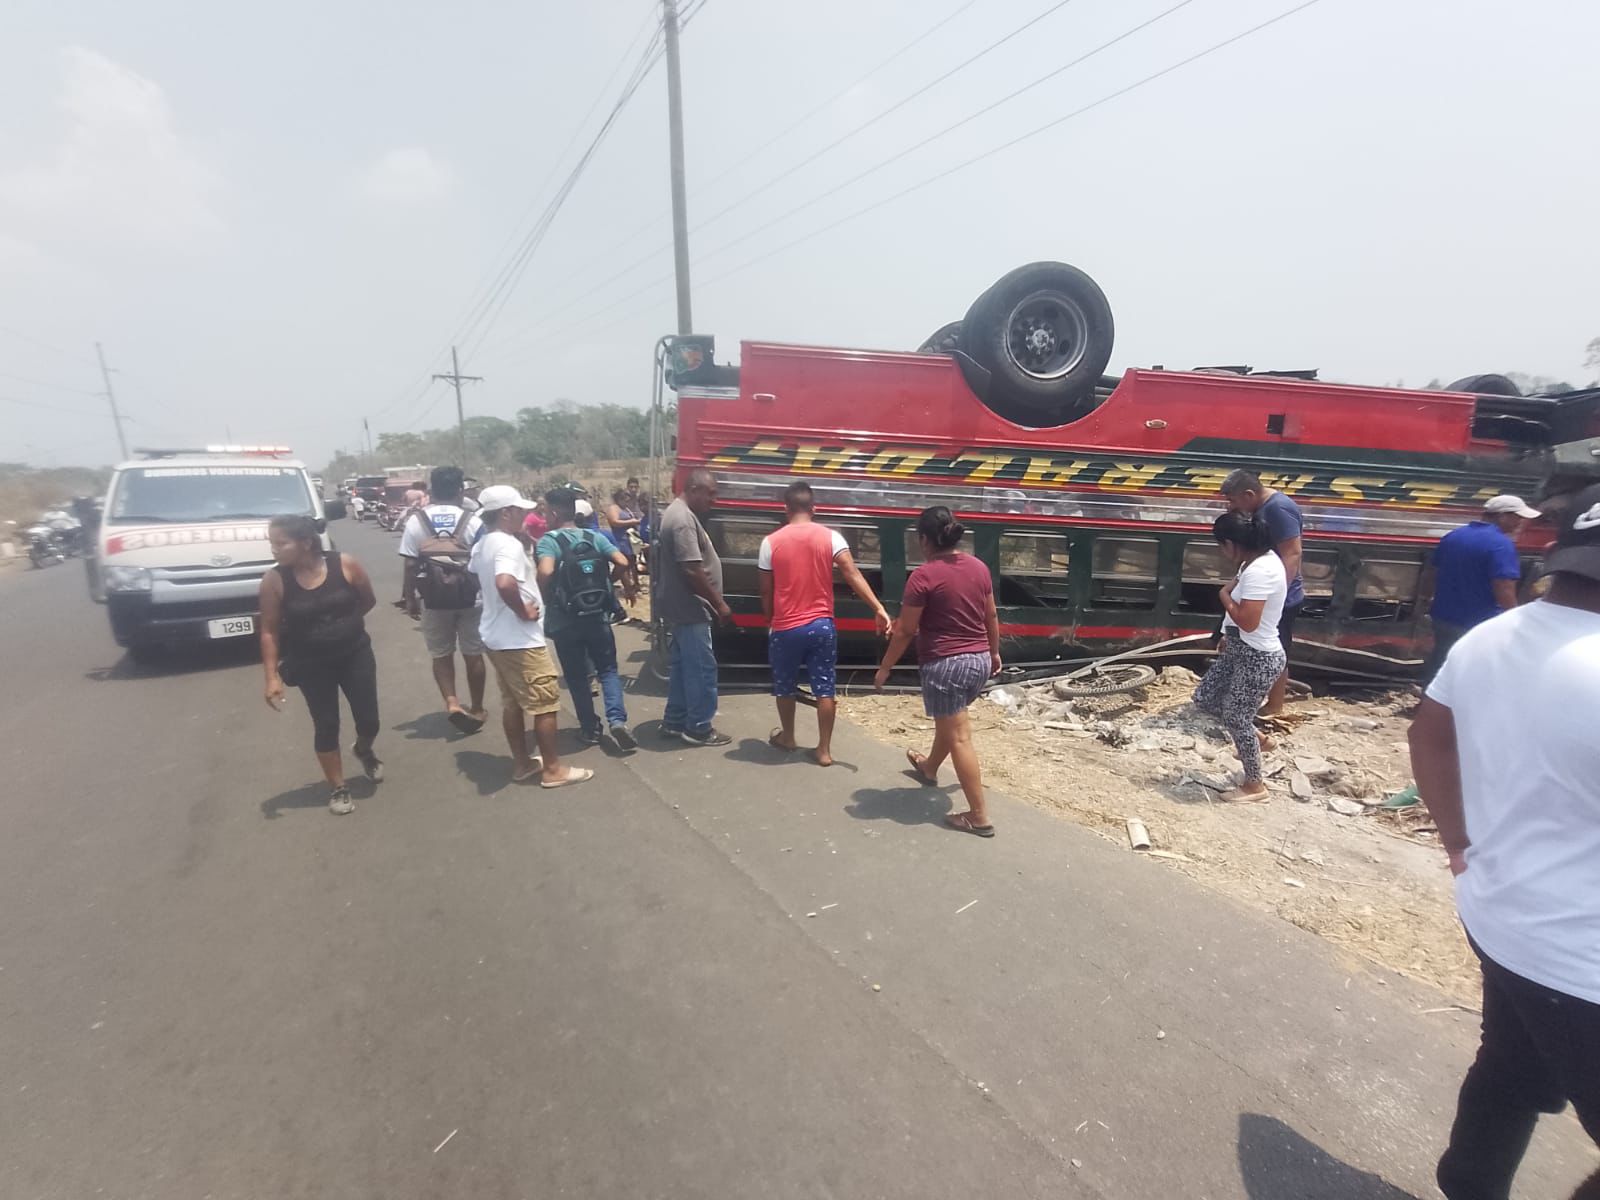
(1505, 746)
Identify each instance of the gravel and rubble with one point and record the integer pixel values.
(1368, 877)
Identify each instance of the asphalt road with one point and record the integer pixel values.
(657, 985)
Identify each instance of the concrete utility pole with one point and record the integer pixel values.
(457, 379)
(680, 203)
(116, 417)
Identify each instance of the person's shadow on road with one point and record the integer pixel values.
(489, 773)
(903, 805)
(765, 754)
(1276, 1162)
(433, 726)
(315, 795)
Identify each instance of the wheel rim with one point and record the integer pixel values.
(1046, 334)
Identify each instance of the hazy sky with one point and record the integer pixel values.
(276, 216)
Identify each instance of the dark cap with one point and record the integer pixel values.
(1577, 549)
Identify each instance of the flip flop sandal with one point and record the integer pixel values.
(963, 822)
(916, 760)
(772, 740)
(574, 775)
(538, 766)
(464, 721)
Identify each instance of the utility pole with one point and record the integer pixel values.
(680, 203)
(116, 417)
(457, 379)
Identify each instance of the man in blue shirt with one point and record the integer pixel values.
(579, 623)
(1245, 493)
(1475, 573)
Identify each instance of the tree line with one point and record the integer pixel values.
(539, 438)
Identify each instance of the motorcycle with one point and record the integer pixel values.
(45, 546)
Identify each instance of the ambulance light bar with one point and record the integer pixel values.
(175, 452)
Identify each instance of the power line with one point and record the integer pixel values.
(790, 128)
(55, 387)
(944, 174)
(55, 408)
(948, 129)
(837, 142)
(487, 290)
(17, 333)
(841, 93)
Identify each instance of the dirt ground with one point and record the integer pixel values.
(1370, 879)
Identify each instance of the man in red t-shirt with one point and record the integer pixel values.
(797, 596)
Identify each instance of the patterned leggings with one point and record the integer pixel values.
(1233, 689)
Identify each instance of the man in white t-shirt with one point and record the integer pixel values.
(445, 629)
(1506, 753)
(512, 627)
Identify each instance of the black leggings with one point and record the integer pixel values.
(320, 681)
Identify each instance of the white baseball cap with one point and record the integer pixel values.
(1501, 505)
(583, 508)
(501, 495)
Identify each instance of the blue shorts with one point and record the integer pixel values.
(814, 646)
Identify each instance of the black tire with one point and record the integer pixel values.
(1111, 681)
(1044, 332)
(1485, 385)
(942, 340)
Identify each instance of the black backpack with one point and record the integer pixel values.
(444, 580)
(583, 578)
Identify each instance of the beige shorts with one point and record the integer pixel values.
(528, 679)
(443, 629)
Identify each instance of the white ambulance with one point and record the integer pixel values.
(182, 543)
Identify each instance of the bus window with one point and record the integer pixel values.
(738, 542)
(1033, 570)
(739, 537)
(1204, 572)
(1386, 588)
(1124, 572)
(1317, 569)
(914, 546)
(865, 546)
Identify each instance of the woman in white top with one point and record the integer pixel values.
(1251, 657)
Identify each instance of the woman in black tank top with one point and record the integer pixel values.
(313, 637)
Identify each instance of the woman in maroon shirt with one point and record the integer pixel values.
(949, 609)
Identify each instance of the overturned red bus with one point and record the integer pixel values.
(1093, 508)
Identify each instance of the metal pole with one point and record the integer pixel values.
(680, 203)
(116, 417)
(456, 379)
(461, 413)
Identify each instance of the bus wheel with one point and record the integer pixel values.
(942, 340)
(1107, 681)
(1044, 332)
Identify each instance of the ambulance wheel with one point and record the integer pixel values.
(1044, 332)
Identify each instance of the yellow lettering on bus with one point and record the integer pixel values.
(1207, 480)
(989, 465)
(1128, 477)
(1051, 470)
(1289, 483)
(1430, 493)
(1348, 487)
(810, 456)
(897, 463)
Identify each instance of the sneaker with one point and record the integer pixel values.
(709, 738)
(589, 737)
(623, 737)
(339, 803)
(370, 763)
(670, 731)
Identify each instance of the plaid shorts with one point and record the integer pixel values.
(949, 685)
